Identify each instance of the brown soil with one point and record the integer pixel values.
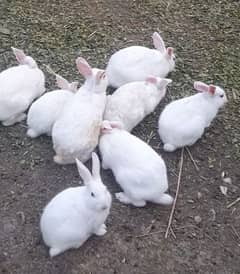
(205, 35)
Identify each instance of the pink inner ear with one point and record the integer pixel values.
(61, 82)
(116, 124)
(100, 75)
(158, 42)
(212, 89)
(151, 79)
(19, 54)
(201, 87)
(170, 51)
(83, 67)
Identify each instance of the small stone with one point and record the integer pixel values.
(227, 180)
(197, 219)
(124, 260)
(199, 195)
(224, 190)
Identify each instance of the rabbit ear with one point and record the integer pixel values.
(83, 172)
(116, 124)
(95, 165)
(19, 54)
(62, 83)
(100, 75)
(170, 51)
(105, 127)
(83, 67)
(212, 89)
(151, 79)
(200, 86)
(158, 42)
(73, 86)
(164, 82)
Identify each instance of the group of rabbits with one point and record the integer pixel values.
(81, 119)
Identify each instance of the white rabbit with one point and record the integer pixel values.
(132, 102)
(183, 121)
(44, 112)
(135, 63)
(19, 86)
(75, 133)
(137, 168)
(76, 213)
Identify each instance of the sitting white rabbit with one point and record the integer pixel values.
(135, 63)
(76, 213)
(132, 102)
(137, 168)
(44, 112)
(19, 86)
(183, 121)
(76, 131)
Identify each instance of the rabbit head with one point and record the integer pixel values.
(166, 52)
(108, 126)
(215, 94)
(161, 83)
(62, 83)
(95, 78)
(23, 59)
(99, 198)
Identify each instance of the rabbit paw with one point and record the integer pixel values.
(101, 231)
(31, 133)
(169, 147)
(54, 251)
(125, 200)
(15, 119)
(122, 198)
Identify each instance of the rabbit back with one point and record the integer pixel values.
(20, 85)
(133, 64)
(127, 105)
(75, 133)
(137, 167)
(44, 112)
(182, 122)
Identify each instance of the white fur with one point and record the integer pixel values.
(132, 102)
(75, 133)
(44, 112)
(137, 168)
(183, 121)
(73, 215)
(135, 63)
(19, 86)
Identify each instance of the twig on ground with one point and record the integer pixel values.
(194, 162)
(174, 235)
(235, 232)
(234, 202)
(148, 234)
(175, 199)
(49, 70)
(150, 136)
(89, 36)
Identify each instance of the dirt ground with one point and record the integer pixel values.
(206, 232)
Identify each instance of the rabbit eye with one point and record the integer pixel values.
(221, 95)
(92, 194)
